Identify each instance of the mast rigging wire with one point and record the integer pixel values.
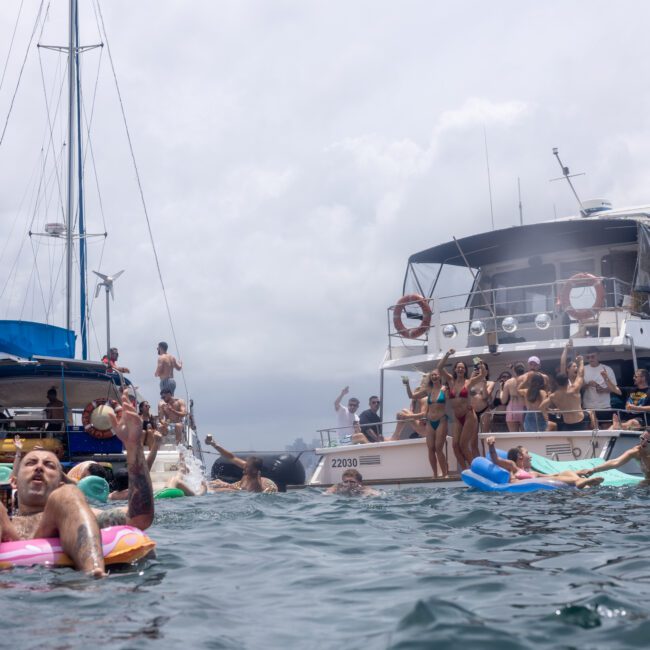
(20, 75)
(137, 175)
(11, 44)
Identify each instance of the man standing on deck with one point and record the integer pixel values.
(54, 411)
(346, 416)
(600, 382)
(165, 368)
(370, 421)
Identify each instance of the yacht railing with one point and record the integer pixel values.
(514, 314)
(330, 437)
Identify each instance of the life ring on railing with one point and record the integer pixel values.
(91, 426)
(582, 280)
(413, 332)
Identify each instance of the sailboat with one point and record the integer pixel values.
(49, 396)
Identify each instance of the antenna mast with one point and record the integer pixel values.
(72, 86)
(487, 164)
(568, 176)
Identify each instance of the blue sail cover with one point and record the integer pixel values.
(26, 339)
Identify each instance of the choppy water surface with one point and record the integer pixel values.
(417, 568)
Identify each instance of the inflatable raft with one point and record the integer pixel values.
(121, 544)
(484, 475)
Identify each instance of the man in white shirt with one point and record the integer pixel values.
(346, 416)
(599, 383)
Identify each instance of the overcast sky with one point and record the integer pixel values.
(293, 155)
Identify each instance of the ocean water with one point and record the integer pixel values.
(416, 568)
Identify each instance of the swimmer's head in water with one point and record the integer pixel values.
(254, 466)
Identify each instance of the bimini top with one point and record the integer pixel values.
(536, 239)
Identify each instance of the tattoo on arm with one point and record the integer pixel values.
(112, 517)
(140, 491)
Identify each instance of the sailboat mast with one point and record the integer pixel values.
(82, 225)
(72, 78)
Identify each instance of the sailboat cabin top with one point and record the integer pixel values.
(581, 277)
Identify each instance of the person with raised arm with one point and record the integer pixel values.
(567, 400)
(465, 436)
(49, 506)
(252, 479)
(518, 464)
(346, 416)
(435, 394)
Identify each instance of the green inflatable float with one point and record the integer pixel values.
(169, 493)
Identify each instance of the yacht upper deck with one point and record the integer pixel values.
(517, 289)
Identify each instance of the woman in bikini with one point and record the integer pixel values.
(482, 395)
(465, 436)
(411, 422)
(518, 464)
(532, 390)
(434, 394)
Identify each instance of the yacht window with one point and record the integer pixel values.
(524, 291)
(569, 269)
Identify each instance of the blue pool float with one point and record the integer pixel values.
(484, 475)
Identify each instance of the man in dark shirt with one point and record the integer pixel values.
(369, 421)
(637, 406)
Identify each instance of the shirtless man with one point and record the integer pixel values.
(568, 401)
(50, 507)
(252, 479)
(54, 411)
(165, 368)
(351, 485)
(171, 411)
(641, 452)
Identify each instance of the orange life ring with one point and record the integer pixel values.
(86, 418)
(582, 280)
(413, 332)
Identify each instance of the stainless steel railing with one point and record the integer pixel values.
(521, 302)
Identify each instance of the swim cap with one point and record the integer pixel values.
(95, 488)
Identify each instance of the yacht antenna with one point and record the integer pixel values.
(487, 164)
(521, 211)
(107, 283)
(566, 174)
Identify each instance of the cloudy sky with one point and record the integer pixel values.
(292, 156)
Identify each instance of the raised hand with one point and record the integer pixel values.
(490, 441)
(18, 443)
(128, 426)
(345, 391)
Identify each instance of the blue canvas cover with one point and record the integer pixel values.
(26, 339)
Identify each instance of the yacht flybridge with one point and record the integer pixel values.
(505, 295)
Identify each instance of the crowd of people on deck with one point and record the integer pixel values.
(458, 403)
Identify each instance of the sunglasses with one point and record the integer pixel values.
(375, 401)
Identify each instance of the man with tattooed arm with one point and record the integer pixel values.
(49, 506)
